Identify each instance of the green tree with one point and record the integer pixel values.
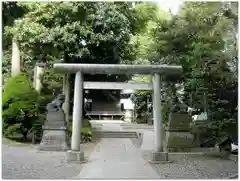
(76, 32)
(20, 105)
(10, 12)
(196, 39)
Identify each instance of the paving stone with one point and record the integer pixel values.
(147, 140)
(117, 158)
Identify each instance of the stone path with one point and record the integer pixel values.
(115, 158)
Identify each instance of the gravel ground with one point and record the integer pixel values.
(29, 163)
(197, 167)
(193, 166)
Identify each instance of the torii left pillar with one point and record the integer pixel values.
(75, 154)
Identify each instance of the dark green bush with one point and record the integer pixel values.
(86, 131)
(165, 112)
(215, 130)
(20, 105)
(141, 106)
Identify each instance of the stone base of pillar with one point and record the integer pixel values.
(75, 156)
(54, 140)
(159, 157)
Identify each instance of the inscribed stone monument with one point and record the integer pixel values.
(178, 136)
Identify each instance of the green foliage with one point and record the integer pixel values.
(147, 17)
(144, 12)
(214, 130)
(88, 32)
(13, 129)
(10, 12)
(143, 99)
(79, 32)
(37, 126)
(196, 40)
(20, 103)
(52, 85)
(6, 64)
(202, 39)
(166, 110)
(86, 135)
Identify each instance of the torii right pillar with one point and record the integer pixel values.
(157, 156)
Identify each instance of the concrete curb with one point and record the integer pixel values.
(186, 153)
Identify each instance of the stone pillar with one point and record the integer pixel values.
(38, 72)
(16, 59)
(75, 155)
(64, 83)
(157, 117)
(157, 155)
(67, 97)
(153, 104)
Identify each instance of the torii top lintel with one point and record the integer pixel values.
(114, 68)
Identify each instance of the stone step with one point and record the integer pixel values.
(106, 121)
(136, 126)
(114, 134)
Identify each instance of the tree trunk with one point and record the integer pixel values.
(24, 138)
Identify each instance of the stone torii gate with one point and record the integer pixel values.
(77, 155)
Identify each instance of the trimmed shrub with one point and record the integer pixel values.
(20, 105)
